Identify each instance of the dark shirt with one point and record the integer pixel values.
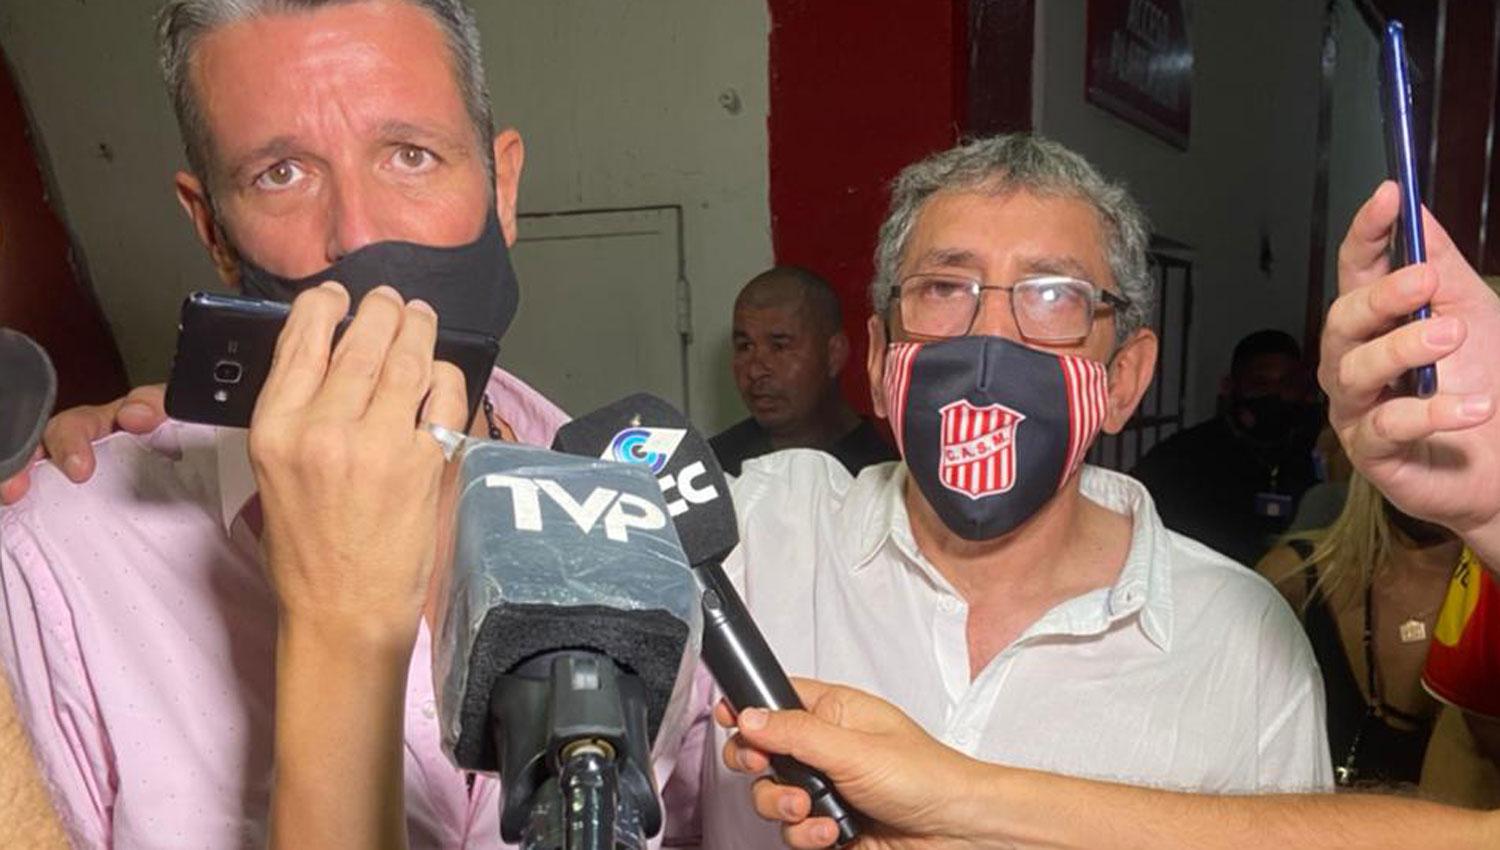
(1224, 491)
(856, 450)
(1365, 749)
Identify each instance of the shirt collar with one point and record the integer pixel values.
(885, 519)
(1145, 582)
(1143, 587)
(236, 479)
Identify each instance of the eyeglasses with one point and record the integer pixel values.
(1046, 308)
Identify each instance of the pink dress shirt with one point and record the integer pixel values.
(138, 633)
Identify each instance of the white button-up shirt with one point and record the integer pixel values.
(1190, 672)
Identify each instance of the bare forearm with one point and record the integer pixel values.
(340, 709)
(1044, 811)
(26, 816)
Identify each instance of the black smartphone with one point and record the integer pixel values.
(224, 348)
(1408, 244)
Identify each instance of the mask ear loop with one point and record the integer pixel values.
(1114, 351)
(233, 250)
(885, 360)
(1109, 366)
(1109, 369)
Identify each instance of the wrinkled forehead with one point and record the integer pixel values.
(989, 232)
(302, 74)
(775, 317)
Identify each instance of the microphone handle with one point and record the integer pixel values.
(742, 663)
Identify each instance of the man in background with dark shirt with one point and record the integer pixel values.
(789, 348)
(1234, 481)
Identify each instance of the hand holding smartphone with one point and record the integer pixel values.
(1408, 244)
(224, 349)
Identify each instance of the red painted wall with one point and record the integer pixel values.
(40, 295)
(858, 90)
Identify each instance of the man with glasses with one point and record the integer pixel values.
(1021, 606)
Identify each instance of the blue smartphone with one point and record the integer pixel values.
(1408, 244)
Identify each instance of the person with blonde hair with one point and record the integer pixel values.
(1368, 589)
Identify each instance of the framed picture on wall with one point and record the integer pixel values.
(1140, 65)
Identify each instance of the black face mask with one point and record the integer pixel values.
(472, 287)
(991, 429)
(1273, 419)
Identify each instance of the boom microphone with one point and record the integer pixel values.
(646, 431)
(567, 642)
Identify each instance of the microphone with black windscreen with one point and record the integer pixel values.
(565, 648)
(646, 431)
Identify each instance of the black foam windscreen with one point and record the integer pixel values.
(646, 430)
(648, 643)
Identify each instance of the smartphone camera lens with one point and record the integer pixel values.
(227, 372)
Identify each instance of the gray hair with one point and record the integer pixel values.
(181, 23)
(1022, 162)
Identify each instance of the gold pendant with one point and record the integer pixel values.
(1413, 631)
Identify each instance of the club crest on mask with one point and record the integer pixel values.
(978, 448)
(990, 428)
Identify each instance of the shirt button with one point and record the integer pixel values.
(429, 709)
(948, 605)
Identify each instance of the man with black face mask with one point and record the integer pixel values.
(1234, 482)
(163, 621)
(1020, 605)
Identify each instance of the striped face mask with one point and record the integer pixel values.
(989, 428)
